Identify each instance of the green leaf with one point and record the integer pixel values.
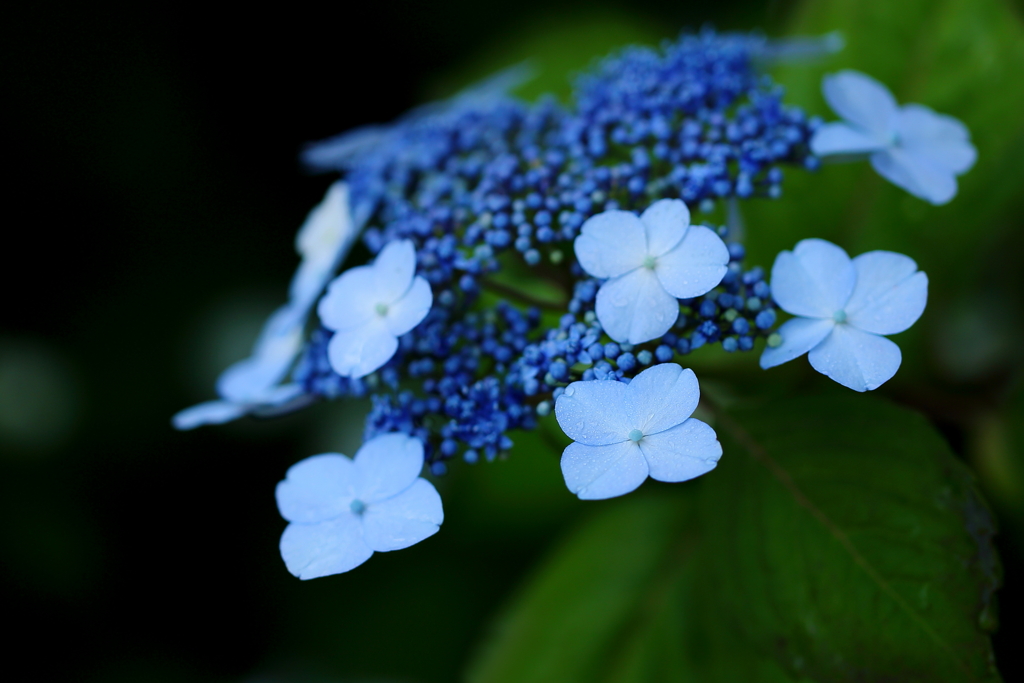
(839, 539)
(602, 573)
(851, 543)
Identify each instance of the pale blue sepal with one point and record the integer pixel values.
(856, 359)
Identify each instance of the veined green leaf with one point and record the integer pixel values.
(839, 539)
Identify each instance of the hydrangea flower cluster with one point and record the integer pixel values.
(538, 258)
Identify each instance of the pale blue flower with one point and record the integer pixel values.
(625, 432)
(343, 510)
(844, 307)
(369, 307)
(910, 146)
(650, 261)
(254, 384)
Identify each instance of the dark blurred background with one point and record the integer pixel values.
(152, 199)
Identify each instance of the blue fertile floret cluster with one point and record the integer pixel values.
(489, 185)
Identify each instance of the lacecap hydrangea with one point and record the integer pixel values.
(537, 258)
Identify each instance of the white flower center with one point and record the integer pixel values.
(650, 262)
(635, 435)
(839, 316)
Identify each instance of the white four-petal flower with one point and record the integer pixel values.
(369, 307)
(650, 261)
(910, 146)
(625, 432)
(343, 510)
(844, 307)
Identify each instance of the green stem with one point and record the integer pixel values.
(506, 291)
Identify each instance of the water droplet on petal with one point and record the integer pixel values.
(569, 390)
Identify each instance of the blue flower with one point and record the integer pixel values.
(625, 432)
(369, 307)
(343, 510)
(651, 261)
(910, 146)
(254, 384)
(844, 307)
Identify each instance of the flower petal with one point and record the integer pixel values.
(840, 138)
(861, 100)
(890, 294)
(859, 360)
(635, 307)
(942, 140)
(814, 280)
(661, 397)
(273, 354)
(688, 450)
(405, 519)
(596, 472)
(386, 465)
(328, 226)
(323, 241)
(350, 301)
(799, 336)
(665, 223)
(314, 550)
(309, 281)
(360, 352)
(915, 174)
(282, 400)
(611, 243)
(248, 379)
(410, 310)
(318, 488)
(393, 271)
(592, 412)
(210, 412)
(695, 266)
